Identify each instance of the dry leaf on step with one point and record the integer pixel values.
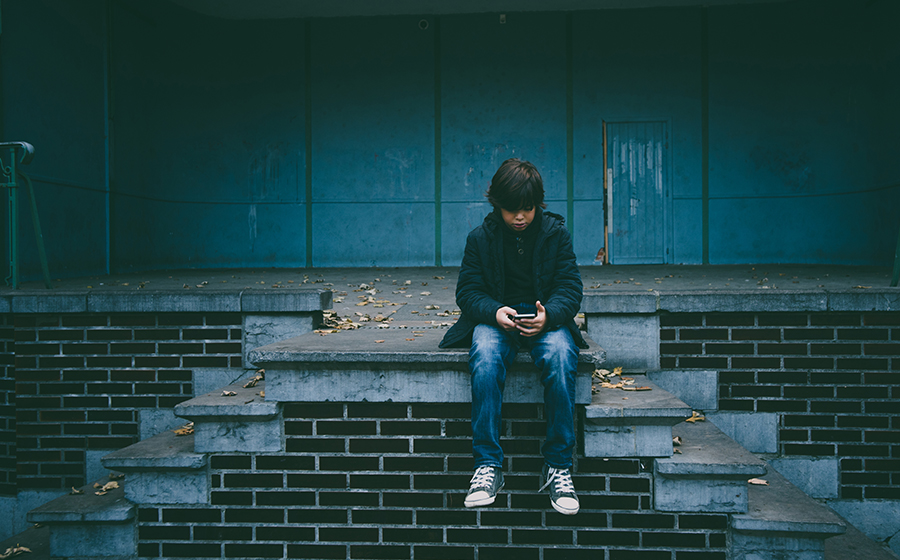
(695, 417)
(758, 482)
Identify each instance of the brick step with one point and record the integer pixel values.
(87, 526)
(398, 365)
(782, 522)
(163, 469)
(709, 475)
(632, 423)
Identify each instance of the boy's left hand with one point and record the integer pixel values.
(533, 327)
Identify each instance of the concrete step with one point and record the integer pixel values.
(709, 475)
(782, 522)
(393, 364)
(163, 469)
(87, 526)
(632, 423)
(240, 422)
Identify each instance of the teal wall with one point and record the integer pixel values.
(370, 141)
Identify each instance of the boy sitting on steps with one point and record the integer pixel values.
(519, 286)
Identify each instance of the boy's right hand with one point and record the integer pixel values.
(504, 320)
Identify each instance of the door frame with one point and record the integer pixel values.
(667, 203)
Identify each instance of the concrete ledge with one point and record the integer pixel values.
(148, 301)
(86, 507)
(164, 469)
(640, 426)
(241, 423)
(49, 302)
(163, 451)
(709, 475)
(286, 301)
(782, 522)
(407, 366)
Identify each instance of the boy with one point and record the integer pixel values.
(519, 286)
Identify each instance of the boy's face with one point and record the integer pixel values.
(518, 220)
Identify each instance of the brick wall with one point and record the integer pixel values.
(834, 379)
(81, 380)
(7, 408)
(366, 480)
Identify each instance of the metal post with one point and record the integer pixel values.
(10, 172)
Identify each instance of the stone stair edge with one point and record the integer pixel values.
(781, 507)
(165, 450)
(705, 450)
(396, 346)
(86, 507)
(654, 404)
(246, 404)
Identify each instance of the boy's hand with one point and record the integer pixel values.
(503, 318)
(533, 327)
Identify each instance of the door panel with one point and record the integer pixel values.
(638, 193)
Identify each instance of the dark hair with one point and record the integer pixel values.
(516, 185)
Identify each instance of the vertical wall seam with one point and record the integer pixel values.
(308, 107)
(570, 130)
(704, 125)
(438, 242)
(108, 112)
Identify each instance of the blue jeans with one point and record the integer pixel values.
(556, 355)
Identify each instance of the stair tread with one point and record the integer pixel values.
(655, 403)
(705, 450)
(359, 346)
(112, 507)
(246, 403)
(162, 451)
(781, 506)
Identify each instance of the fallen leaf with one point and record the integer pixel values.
(75, 491)
(676, 440)
(379, 341)
(758, 482)
(695, 417)
(410, 339)
(425, 294)
(676, 450)
(185, 430)
(636, 388)
(262, 394)
(228, 393)
(14, 551)
(862, 287)
(116, 476)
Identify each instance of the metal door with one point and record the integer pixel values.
(637, 192)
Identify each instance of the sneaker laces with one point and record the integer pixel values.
(483, 478)
(563, 480)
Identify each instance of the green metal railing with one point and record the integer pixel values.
(20, 153)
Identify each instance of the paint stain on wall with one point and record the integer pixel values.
(792, 167)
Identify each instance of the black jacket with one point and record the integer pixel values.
(479, 291)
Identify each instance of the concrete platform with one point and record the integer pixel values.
(861, 285)
(396, 364)
(632, 423)
(709, 475)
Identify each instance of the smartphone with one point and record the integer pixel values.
(523, 316)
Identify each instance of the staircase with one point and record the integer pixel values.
(357, 445)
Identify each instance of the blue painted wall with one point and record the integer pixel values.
(52, 66)
(370, 141)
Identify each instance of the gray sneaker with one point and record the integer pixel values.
(562, 490)
(484, 486)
